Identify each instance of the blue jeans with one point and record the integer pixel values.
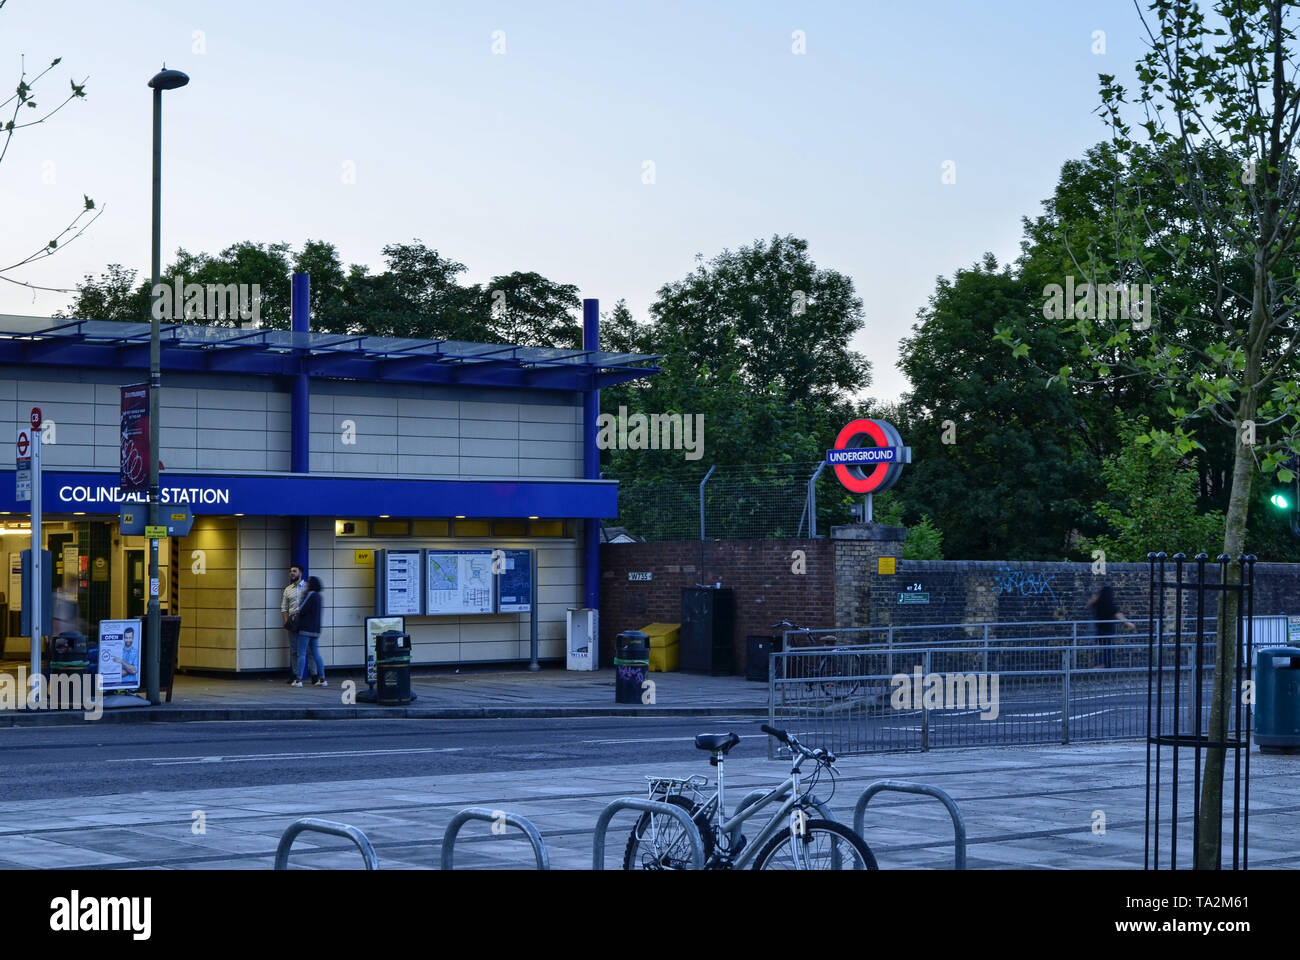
(293, 650)
(308, 642)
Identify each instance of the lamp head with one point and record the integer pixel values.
(168, 80)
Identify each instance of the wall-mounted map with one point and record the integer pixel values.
(459, 582)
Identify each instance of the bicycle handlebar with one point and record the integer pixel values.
(820, 755)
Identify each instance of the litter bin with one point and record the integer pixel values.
(70, 653)
(759, 648)
(1277, 700)
(631, 664)
(393, 667)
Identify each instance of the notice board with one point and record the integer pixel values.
(515, 582)
(459, 582)
(398, 583)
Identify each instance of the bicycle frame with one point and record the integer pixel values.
(731, 826)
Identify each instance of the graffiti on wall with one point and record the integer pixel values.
(1023, 583)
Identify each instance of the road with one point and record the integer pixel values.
(56, 762)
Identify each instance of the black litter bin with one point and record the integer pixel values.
(1277, 700)
(393, 667)
(758, 649)
(631, 664)
(70, 653)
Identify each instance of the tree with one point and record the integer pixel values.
(767, 311)
(990, 446)
(526, 308)
(261, 268)
(320, 260)
(1153, 503)
(924, 540)
(1218, 103)
(115, 295)
(24, 99)
(736, 351)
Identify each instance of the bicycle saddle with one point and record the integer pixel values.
(716, 742)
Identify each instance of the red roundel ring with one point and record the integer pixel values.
(882, 476)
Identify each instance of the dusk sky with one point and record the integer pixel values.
(533, 157)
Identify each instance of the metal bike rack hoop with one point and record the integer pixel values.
(907, 786)
(647, 806)
(492, 816)
(313, 825)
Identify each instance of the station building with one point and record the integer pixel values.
(310, 448)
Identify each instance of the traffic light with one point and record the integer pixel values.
(1287, 496)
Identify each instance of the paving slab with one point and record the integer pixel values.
(1037, 817)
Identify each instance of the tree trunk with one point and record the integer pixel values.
(1207, 856)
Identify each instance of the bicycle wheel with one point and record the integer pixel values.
(659, 842)
(838, 666)
(820, 845)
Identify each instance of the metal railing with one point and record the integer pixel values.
(313, 825)
(494, 817)
(1267, 630)
(897, 696)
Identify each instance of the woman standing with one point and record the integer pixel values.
(309, 620)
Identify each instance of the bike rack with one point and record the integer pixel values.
(647, 806)
(492, 816)
(907, 786)
(313, 825)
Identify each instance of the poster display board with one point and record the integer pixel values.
(374, 627)
(459, 582)
(515, 582)
(134, 476)
(399, 584)
(119, 653)
(15, 582)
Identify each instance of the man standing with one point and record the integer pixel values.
(290, 601)
(1108, 615)
(130, 658)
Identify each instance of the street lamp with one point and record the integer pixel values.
(163, 80)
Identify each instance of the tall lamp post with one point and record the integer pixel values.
(164, 80)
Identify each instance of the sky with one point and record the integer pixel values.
(602, 144)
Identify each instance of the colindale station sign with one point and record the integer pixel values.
(115, 495)
(869, 469)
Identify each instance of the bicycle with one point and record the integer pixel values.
(846, 669)
(789, 840)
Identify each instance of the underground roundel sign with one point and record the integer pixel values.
(868, 456)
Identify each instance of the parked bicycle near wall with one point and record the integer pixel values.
(791, 839)
(837, 670)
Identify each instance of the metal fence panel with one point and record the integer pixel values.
(888, 694)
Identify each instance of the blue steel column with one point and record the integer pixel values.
(300, 414)
(591, 457)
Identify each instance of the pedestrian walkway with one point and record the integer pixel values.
(440, 694)
(1025, 808)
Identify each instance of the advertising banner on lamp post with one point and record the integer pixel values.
(135, 438)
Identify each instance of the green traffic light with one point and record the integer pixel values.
(1280, 501)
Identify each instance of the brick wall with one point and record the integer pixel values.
(841, 586)
(989, 590)
(760, 572)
